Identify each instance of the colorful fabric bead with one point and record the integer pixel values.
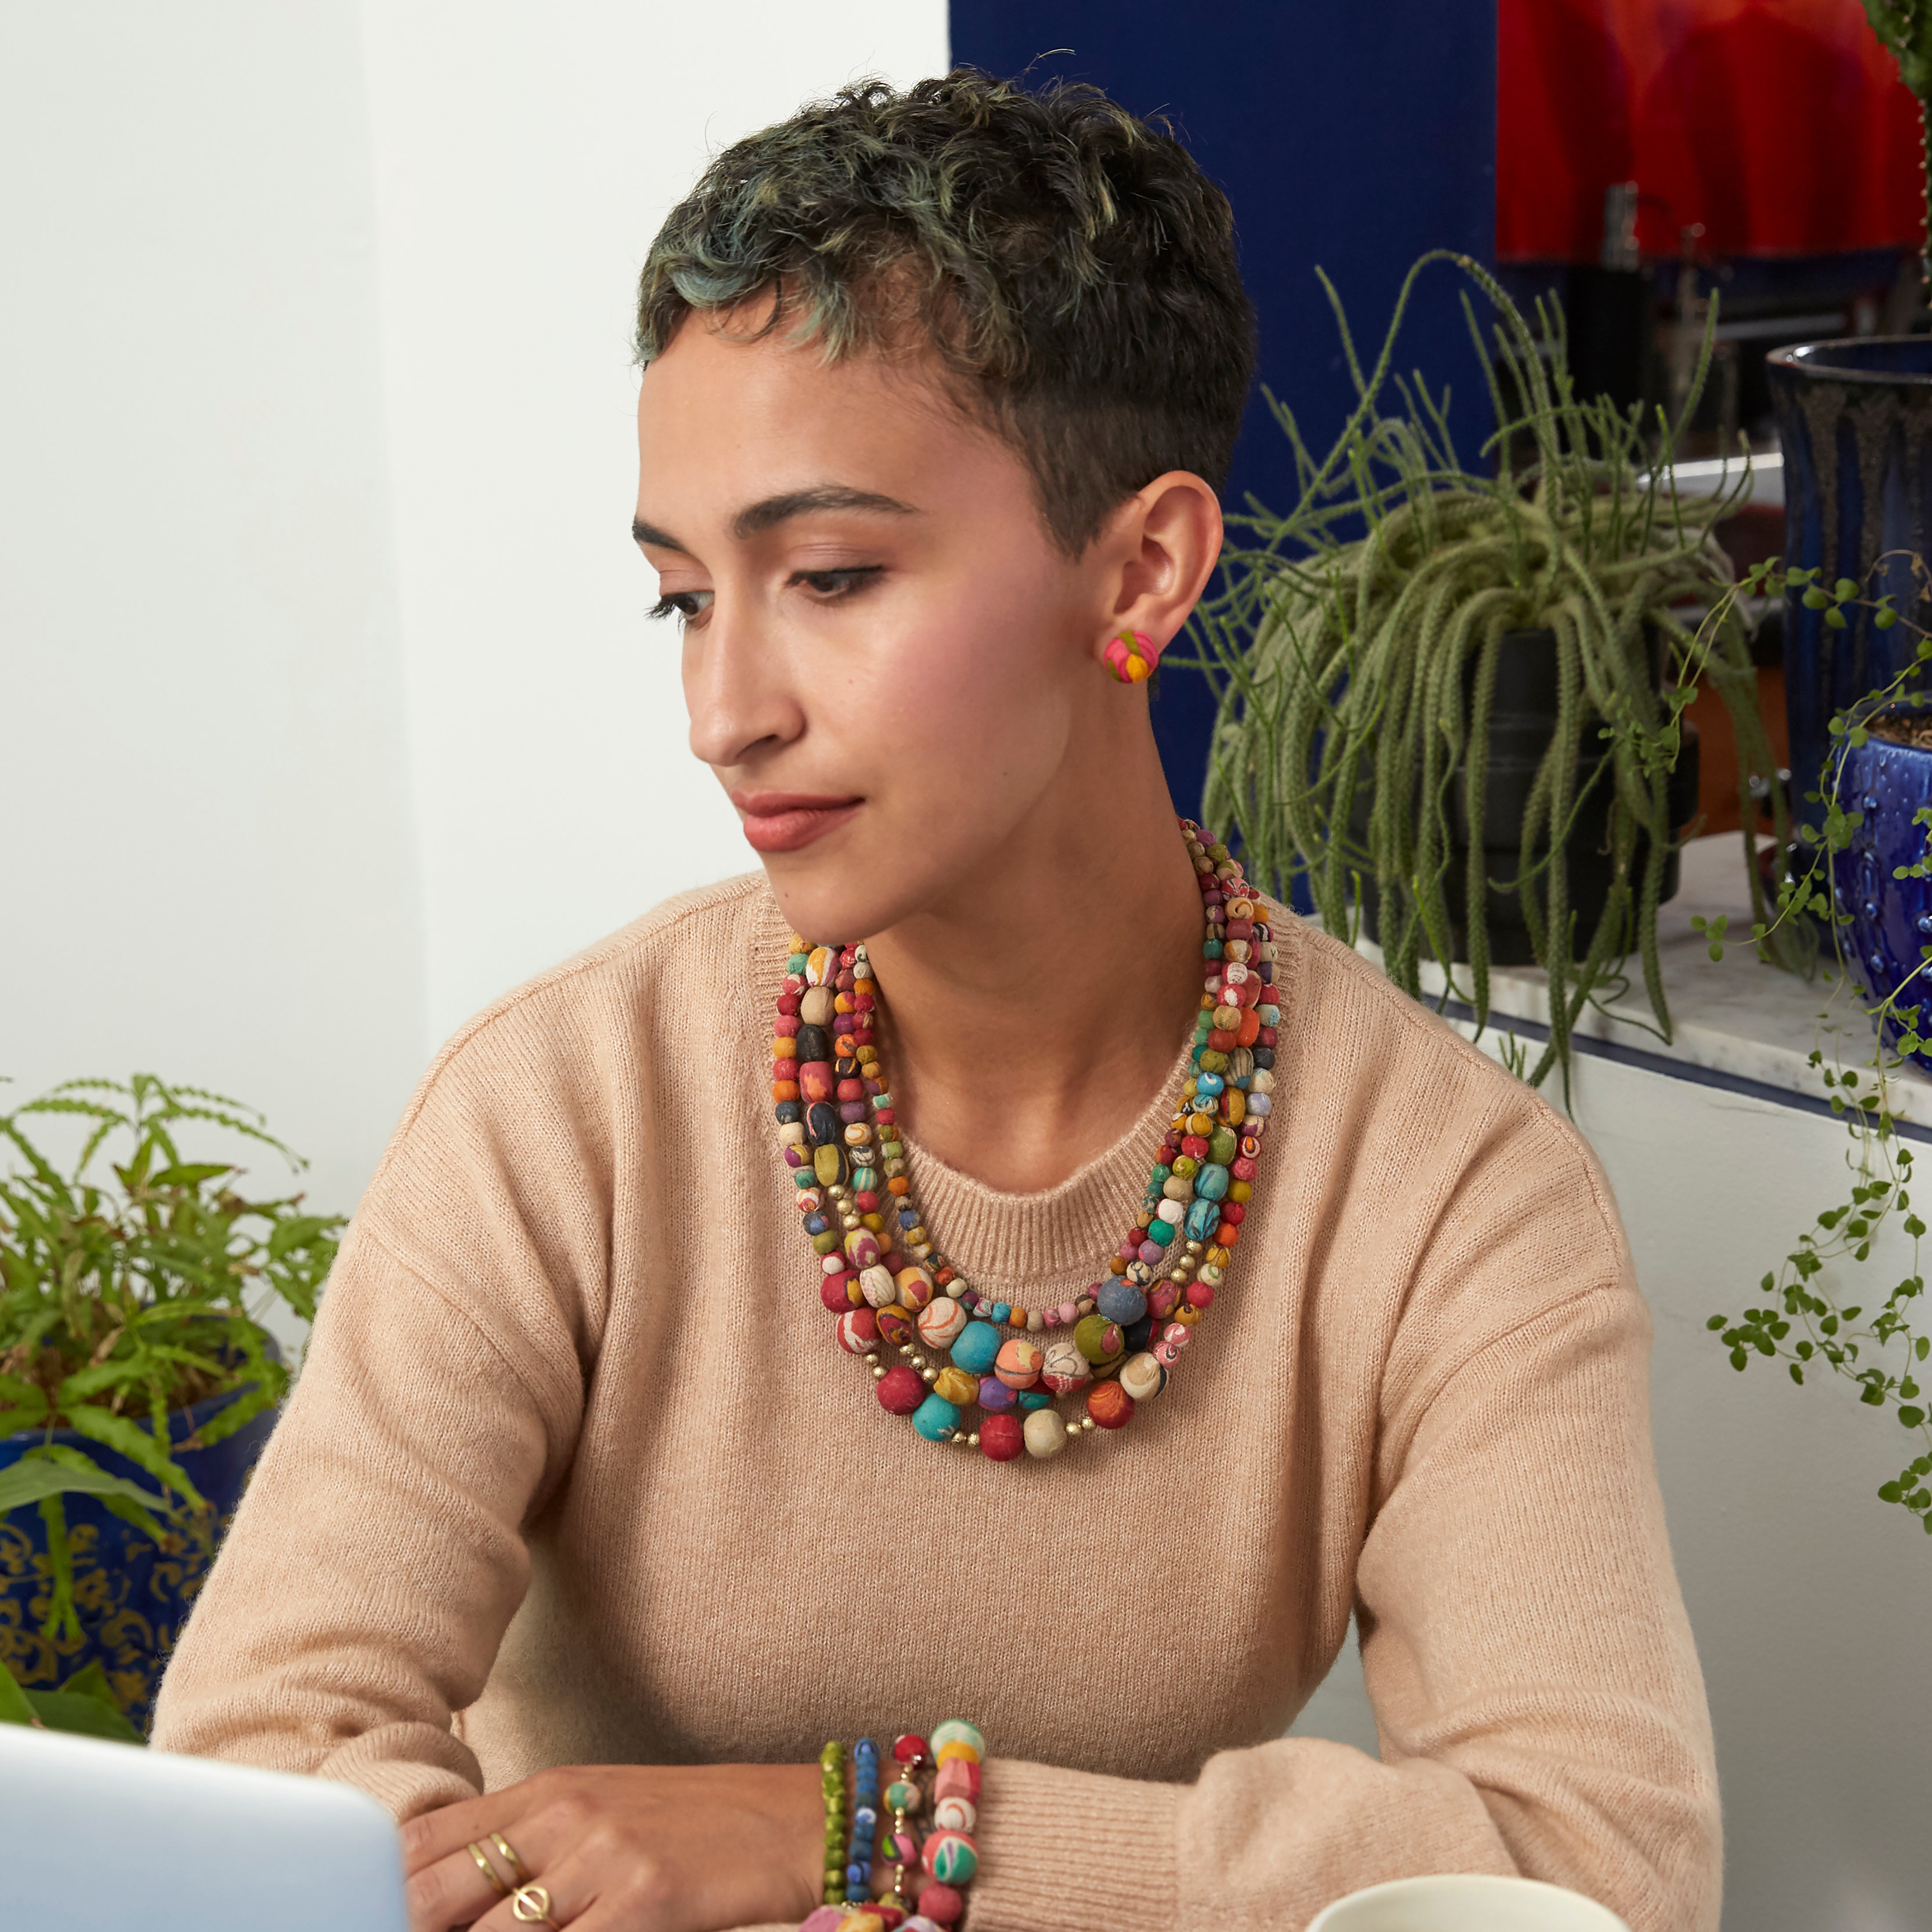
(884, 1277)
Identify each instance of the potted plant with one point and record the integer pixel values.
(1854, 425)
(1452, 693)
(1862, 876)
(137, 1383)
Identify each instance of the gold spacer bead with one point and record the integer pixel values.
(1073, 1429)
(1196, 1247)
(973, 1441)
(1086, 1422)
(931, 1375)
(878, 1372)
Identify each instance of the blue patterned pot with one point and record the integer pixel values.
(1855, 419)
(132, 1595)
(1890, 918)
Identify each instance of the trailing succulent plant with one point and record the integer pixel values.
(1352, 645)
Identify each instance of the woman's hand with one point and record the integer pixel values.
(627, 1848)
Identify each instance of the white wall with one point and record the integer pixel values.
(525, 156)
(204, 807)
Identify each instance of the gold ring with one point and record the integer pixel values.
(530, 1905)
(510, 1858)
(488, 1871)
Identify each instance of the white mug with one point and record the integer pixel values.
(1467, 1902)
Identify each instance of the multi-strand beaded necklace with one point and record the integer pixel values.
(883, 1275)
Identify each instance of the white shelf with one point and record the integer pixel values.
(1736, 1019)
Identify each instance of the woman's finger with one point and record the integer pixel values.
(564, 1897)
(456, 1890)
(437, 1834)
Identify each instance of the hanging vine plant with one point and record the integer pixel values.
(1353, 647)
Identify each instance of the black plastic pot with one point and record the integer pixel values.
(1523, 721)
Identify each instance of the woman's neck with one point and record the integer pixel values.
(1032, 1017)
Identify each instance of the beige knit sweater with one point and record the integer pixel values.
(575, 1473)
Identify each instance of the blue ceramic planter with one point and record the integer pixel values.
(1890, 918)
(1854, 418)
(132, 1595)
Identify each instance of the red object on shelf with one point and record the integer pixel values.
(1780, 125)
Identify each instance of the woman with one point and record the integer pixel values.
(1208, 1288)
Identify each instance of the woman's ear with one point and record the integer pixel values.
(1162, 545)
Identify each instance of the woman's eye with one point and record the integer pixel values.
(685, 603)
(833, 584)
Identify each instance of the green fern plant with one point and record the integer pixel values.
(123, 1299)
(1353, 644)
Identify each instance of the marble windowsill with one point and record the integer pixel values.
(1736, 1019)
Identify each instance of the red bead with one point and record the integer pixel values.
(884, 1117)
(909, 1748)
(815, 1082)
(858, 1331)
(851, 1090)
(999, 1437)
(1221, 1040)
(1240, 928)
(1233, 1213)
(1108, 1403)
(834, 1291)
(1195, 1145)
(901, 1391)
(785, 1028)
(788, 1003)
(1200, 1293)
(941, 1903)
(1265, 1037)
(866, 1201)
(1244, 1168)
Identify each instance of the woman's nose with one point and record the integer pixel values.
(737, 688)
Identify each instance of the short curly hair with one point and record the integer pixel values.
(1071, 263)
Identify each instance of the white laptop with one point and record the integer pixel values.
(107, 1837)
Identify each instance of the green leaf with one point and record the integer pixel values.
(14, 1707)
(1843, 589)
(1911, 1415)
(83, 1716)
(41, 1472)
(117, 1432)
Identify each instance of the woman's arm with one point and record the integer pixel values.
(378, 1555)
(1532, 1670)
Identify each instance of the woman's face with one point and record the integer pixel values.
(886, 659)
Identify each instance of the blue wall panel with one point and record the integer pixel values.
(1352, 137)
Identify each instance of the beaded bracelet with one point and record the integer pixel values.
(832, 1781)
(947, 1854)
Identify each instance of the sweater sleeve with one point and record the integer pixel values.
(378, 1555)
(1535, 1688)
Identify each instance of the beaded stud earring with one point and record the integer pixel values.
(1132, 656)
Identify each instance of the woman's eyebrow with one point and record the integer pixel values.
(769, 511)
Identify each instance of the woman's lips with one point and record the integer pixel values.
(788, 821)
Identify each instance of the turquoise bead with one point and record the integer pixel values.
(1208, 1083)
(936, 1419)
(1211, 1182)
(1001, 1311)
(1161, 1233)
(866, 1179)
(1210, 949)
(977, 1348)
(1036, 1398)
(803, 1177)
(1162, 1174)
(1203, 1217)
